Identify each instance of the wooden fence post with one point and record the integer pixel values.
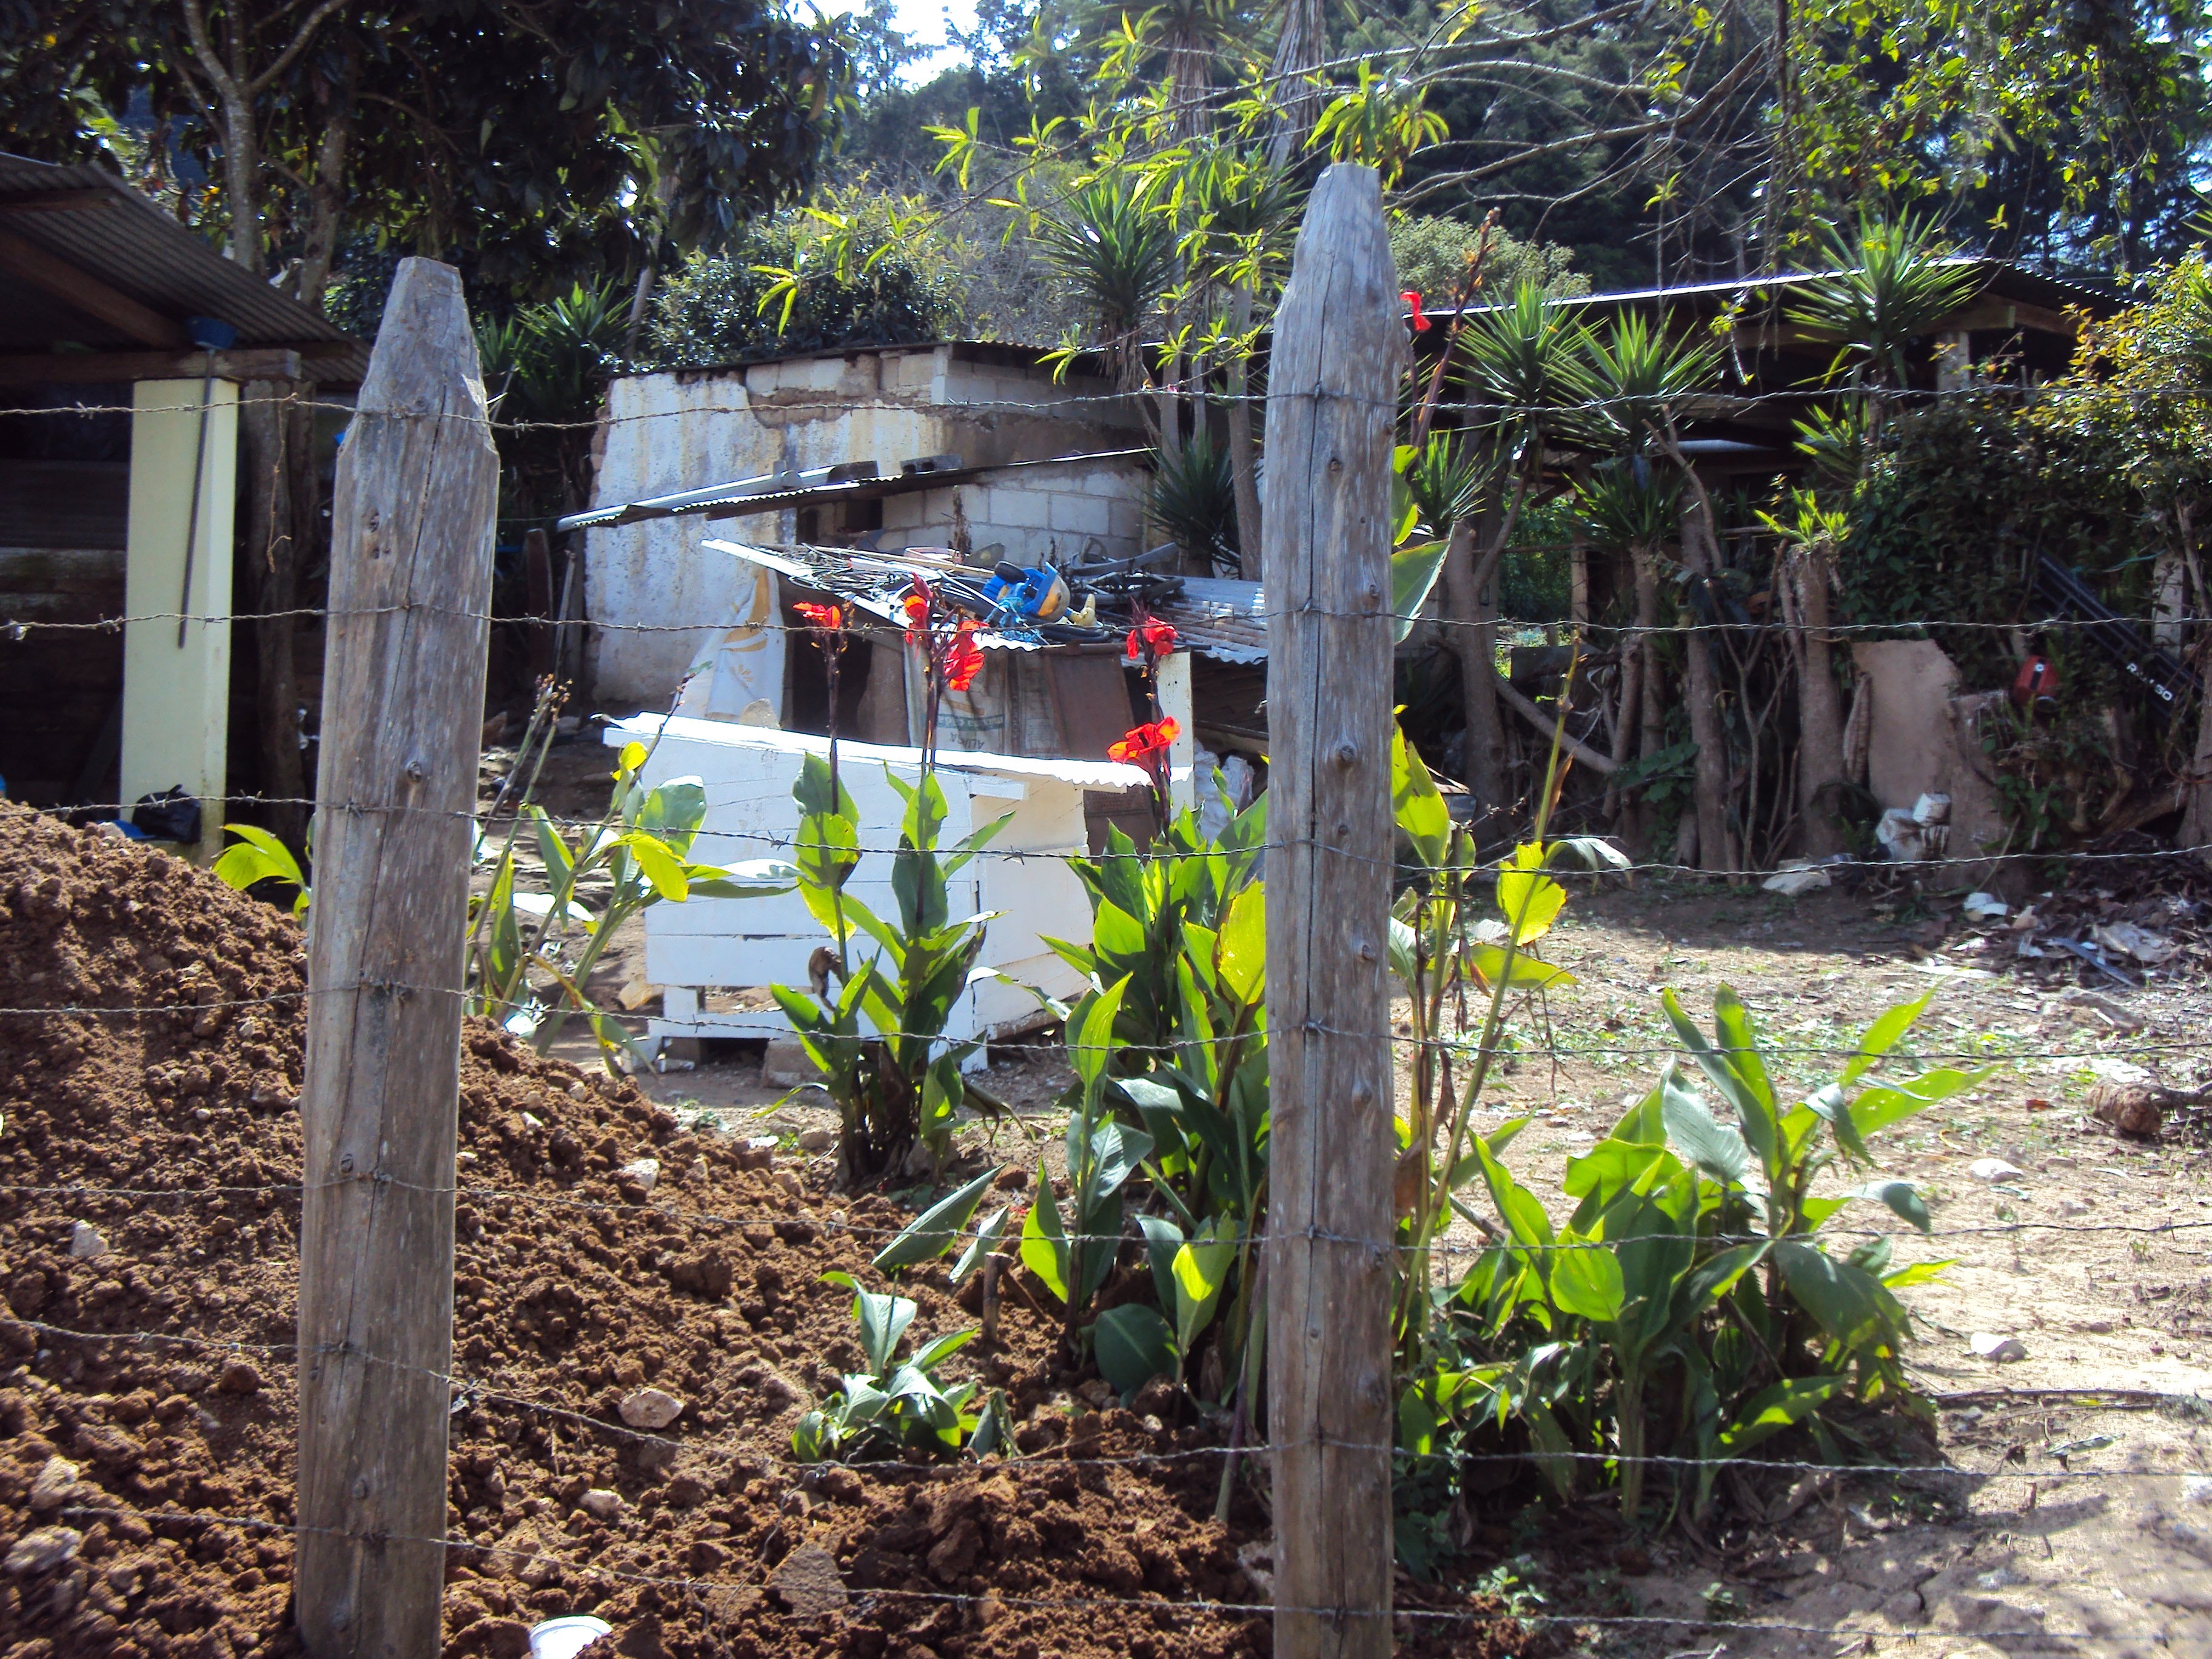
(1339, 349)
(403, 704)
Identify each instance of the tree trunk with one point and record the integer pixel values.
(1244, 452)
(1819, 710)
(1474, 642)
(1652, 723)
(1707, 730)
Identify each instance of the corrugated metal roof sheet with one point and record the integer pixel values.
(109, 231)
(1219, 617)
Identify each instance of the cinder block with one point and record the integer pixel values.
(1027, 509)
(1126, 520)
(1081, 515)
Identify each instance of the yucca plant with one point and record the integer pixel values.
(1193, 500)
(1115, 250)
(1886, 285)
(1640, 373)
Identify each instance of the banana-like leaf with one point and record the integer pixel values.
(1413, 570)
(1419, 809)
(988, 1232)
(1700, 1137)
(930, 1234)
(1243, 945)
(1132, 1345)
(1772, 1410)
(1884, 1035)
(1529, 901)
(1044, 1242)
(1903, 1197)
(1525, 973)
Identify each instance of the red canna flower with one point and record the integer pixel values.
(917, 609)
(1151, 637)
(1153, 737)
(1412, 298)
(964, 659)
(822, 616)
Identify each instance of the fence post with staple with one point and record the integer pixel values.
(403, 705)
(1340, 348)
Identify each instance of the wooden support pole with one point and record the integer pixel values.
(1333, 386)
(403, 702)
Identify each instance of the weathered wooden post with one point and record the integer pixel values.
(1340, 348)
(402, 702)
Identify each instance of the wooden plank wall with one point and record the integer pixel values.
(61, 560)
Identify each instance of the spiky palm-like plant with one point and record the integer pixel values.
(1886, 285)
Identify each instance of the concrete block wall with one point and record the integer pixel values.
(657, 594)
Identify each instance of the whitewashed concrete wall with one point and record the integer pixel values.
(656, 593)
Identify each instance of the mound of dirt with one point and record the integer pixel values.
(149, 1162)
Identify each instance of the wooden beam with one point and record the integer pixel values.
(107, 368)
(1332, 395)
(56, 200)
(82, 292)
(403, 704)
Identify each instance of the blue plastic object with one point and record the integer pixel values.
(211, 333)
(1027, 591)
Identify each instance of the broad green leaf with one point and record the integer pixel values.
(1092, 1046)
(1903, 1197)
(1526, 973)
(1884, 1105)
(1420, 812)
(1920, 1273)
(1849, 1302)
(1585, 852)
(1244, 957)
(1772, 1410)
(1044, 1242)
(1883, 1036)
(884, 1320)
(1164, 1236)
(1756, 1118)
(1586, 1279)
(1200, 1269)
(658, 864)
(930, 1234)
(988, 1232)
(935, 1352)
(1133, 1345)
(1413, 570)
(1701, 1138)
(1529, 901)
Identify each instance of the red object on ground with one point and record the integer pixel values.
(2037, 678)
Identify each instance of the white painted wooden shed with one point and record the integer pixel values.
(715, 958)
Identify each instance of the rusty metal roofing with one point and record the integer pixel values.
(87, 219)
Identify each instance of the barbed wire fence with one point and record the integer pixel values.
(478, 1392)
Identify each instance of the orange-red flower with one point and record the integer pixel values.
(917, 609)
(1152, 635)
(963, 659)
(830, 617)
(1153, 737)
(1412, 298)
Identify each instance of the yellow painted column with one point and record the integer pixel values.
(176, 679)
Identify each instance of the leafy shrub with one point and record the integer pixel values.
(1689, 1308)
(898, 282)
(1431, 252)
(1192, 501)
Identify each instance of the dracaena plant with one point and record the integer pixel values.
(1689, 1307)
(873, 1023)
